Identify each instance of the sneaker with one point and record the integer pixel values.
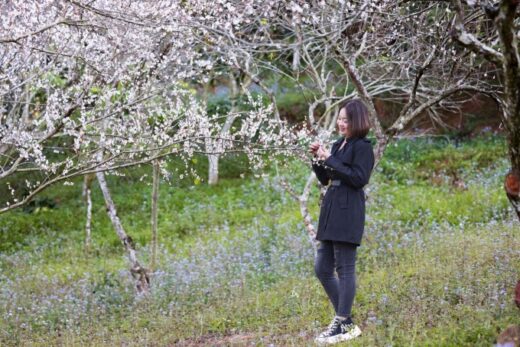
(339, 330)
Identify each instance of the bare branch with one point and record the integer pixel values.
(404, 119)
(362, 91)
(420, 73)
(470, 41)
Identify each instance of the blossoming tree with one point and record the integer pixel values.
(88, 87)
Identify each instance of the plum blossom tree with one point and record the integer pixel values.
(210, 23)
(88, 87)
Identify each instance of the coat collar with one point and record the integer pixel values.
(338, 141)
(351, 140)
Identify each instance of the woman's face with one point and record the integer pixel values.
(342, 122)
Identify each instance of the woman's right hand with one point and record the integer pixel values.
(313, 148)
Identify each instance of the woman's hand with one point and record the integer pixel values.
(322, 153)
(313, 148)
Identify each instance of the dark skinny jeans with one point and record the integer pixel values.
(339, 256)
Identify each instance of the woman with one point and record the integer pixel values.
(346, 170)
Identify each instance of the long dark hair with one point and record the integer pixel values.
(357, 117)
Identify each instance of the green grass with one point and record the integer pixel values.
(437, 266)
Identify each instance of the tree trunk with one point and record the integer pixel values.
(379, 149)
(138, 272)
(304, 210)
(87, 195)
(155, 197)
(512, 184)
(303, 199)
(213, 159)
(213, 168)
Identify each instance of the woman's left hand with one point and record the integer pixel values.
(322, 153)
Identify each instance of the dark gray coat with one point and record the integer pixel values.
(342, 214)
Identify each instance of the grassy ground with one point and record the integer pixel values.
(437, 268)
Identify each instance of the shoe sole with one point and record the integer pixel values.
(339, 338)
